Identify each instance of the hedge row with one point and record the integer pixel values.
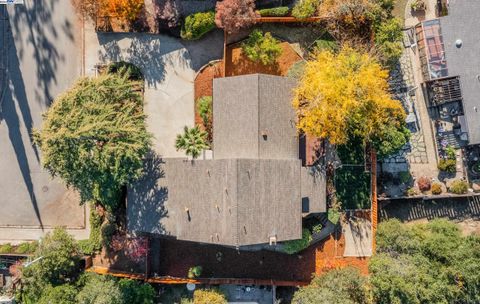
(274, 12)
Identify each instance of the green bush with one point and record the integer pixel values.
(458, 187)
(388, 38)
(135, 292)
(6, 248)
(305, 8)
(436, 189)
(195, 272)
(450, 152)
(94, 243)
(274, 12)
(204, 107)
(27, 247)
(447, 165)
(125, 68)
(197, 25)
(317, 228)
(295, 246)
(260, 47)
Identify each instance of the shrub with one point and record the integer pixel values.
(295, 246)
(274, 12)
(135, 292)
(458, 187)
(417, 5)
(447, 165)
(424, 183)
(317, 228)
(233, 15)
(168, 13)
(193, 141)
(450, 151)
(404, 177)
(388, 38)
(437, 189)
(210, 296)
(204, 107)
(94, 242)
(195, 272)
(305, 8)
(261, 47)
(123, 68)
(411, 192)
(27, 247)
(6, 248)
(197, 25)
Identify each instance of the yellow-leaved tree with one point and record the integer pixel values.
(344, 96)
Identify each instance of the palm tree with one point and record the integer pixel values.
(193, 141)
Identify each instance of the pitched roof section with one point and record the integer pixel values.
(230, 202)
(463, 23)
(253, 117)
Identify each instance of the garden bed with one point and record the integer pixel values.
(237, 62)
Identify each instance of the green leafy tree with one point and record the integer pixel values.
(260, 47)
(134, 292)
(56, 263)
(98, 289)
(94, 137)
(193, 141)
(425, 263)
(62, 294)
(345, 286)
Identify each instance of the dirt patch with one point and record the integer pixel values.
(238, 64)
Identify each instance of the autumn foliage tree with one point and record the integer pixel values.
(345, 96)
(127, 10)
(233, 15)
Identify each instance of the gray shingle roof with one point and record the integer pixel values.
(251, 191)
(463, 23)
(253, 117)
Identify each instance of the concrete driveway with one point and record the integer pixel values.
(41, 59)
(169, 66)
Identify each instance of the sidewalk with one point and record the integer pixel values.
(3, 53)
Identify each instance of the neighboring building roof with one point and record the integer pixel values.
(462, 23)
(255, 188)
(253, 117)
(230, 202)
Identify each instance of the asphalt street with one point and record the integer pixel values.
(39, 58)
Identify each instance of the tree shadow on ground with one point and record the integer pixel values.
(155, 55)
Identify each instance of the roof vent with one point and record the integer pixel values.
(273, 240)
(458, 43)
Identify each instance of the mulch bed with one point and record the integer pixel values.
(176, 257)
(238, 64)
(203, 85)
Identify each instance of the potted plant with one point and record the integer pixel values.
(418, 5)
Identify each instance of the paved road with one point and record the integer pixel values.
(43, 59)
